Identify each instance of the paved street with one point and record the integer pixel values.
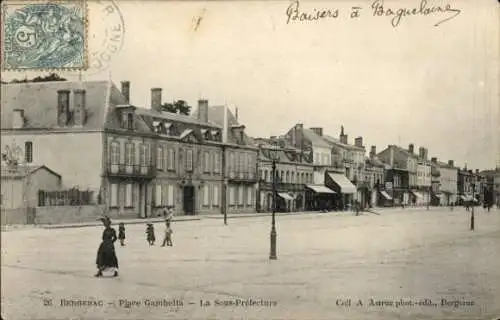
(328, 267)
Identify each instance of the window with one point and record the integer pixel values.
(249, 196)
(240, 195)
(215, 196)
(142, 154)
(171, 159)
(293, 177)
(231, 196)
(216, 162)
(189, 160)
(287, 179)
(241, 162)
(158, 195)
(206, 167)
(28, 152)
(113, 195)
(170, 193)
(130, 121)
(232, 164)
(206, 195)
(115, 153)
(159, 158)
(266, 178)
(128, 195)
(129, 154)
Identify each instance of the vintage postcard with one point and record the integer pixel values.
(250, 159)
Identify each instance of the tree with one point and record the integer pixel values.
(179, 107)
(50, 77)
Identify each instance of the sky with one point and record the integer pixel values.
(433, 86)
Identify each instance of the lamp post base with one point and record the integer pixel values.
(272, 255)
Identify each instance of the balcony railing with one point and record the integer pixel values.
(286, 186)
(242, 176)
(126, 170)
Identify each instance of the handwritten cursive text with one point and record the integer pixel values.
(293, 13)
(423, 10)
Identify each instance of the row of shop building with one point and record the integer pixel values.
(137, 160)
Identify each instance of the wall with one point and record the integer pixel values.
(41, 179)
(322, 156)
(448, 179)
(13, 216)
(63, 152)
(12, 193)
(68, 214)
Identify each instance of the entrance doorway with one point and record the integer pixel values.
(188, 197)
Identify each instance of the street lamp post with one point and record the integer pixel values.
(472, 212)
(429, 197)
(274, 235)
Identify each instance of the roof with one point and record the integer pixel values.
(315, 139)
(174, 117)
(216, 116)
(38, 100)
(23, 170)
(375, 162)
(335, 141)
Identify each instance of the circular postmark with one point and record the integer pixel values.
(106, 36)
(44, 36)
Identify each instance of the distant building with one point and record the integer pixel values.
(375, 172)
(424, 178)
(448, 181)
(294, 170)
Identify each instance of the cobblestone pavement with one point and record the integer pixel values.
(402, 264)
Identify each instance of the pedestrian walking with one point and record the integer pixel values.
(121, 233)
(106, 255)
(150, 234)
(168, 235)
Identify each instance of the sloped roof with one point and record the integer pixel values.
(174, 117)
(336, 141)
(24, 170)
(375, 161)
(39, 102)
(216, 116)
(315, 139)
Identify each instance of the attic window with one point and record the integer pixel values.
(128, 120)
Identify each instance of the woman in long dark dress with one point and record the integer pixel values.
(106, 255)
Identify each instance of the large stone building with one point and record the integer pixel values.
(135, 160)
(448, 181)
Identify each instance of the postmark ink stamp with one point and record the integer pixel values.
(44, 35)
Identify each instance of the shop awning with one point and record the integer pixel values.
(320, 189)
(385, 195)
(464, 198)
(343, 183)
(440, 196)
(285, 196)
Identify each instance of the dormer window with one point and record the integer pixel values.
(128, 120)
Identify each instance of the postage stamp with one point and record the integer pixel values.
(44, 35)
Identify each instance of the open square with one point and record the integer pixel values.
(410, 264)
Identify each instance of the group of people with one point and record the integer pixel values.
(106, 255)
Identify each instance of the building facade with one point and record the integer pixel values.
(136, 160)
(448, 181)
(294, 170)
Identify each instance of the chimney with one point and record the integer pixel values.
(62, 107)
(318, 131)
(18, 119)
(421, 152)
(358, 142)
(373, 151)
(236, 114)
(156, 99)
(203, 110)
(298, 139)
(79, 107)
(477, 171)
(411, 148)
(343, 137)
(434, 160)
(126, 91)
(426, 152)
(451, 163)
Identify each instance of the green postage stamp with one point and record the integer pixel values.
(44, 35)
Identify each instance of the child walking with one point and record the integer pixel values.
(168, 235)
(121, 233)
(150, 232)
